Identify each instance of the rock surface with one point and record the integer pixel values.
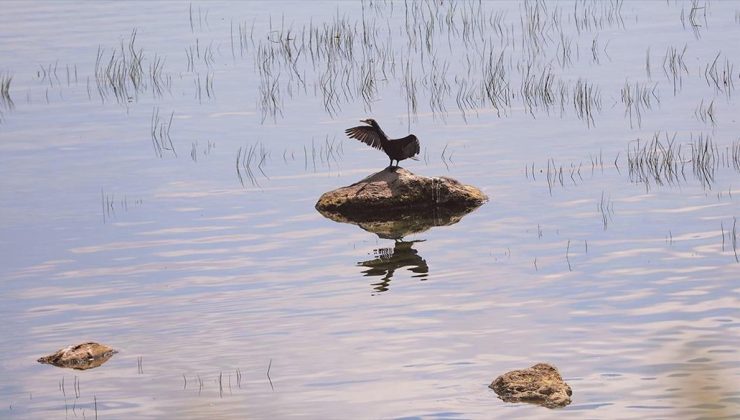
(540, 384)
(393, 189)
(81, 357)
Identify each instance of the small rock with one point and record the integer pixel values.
(540, 384)
(397, 188)
(81, 357)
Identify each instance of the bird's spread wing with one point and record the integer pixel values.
(410, 146)
(367, 135)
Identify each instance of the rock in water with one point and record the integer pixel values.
(395, 189)
(82, 356)
(540, 384)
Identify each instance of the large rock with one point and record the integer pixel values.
(82, 356)
(396, 188)
(540, 384)
(394, 203)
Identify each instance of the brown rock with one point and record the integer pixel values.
(540, 384)
(396, 188)
(81, 357)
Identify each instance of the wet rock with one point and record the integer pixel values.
(383, 194)
(81, 357)
(540, 384)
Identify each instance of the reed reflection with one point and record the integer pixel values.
(388, 260)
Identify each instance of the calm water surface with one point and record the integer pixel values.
(160, 162)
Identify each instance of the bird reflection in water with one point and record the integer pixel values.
(388, 260)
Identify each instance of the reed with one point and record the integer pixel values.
(674, 67)
(349, 59)
(6, 102)
(606, 210)
(586, 101)
(247, 157)
(160, 134)
(638, 98)
(705, 113)
(656, 161)
(269, 366)
(720, 75)
(120, 72)
(704, 159)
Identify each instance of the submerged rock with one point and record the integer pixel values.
(81, 357)
(392, 189)
(540, 384)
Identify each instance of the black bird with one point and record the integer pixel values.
(396, 149)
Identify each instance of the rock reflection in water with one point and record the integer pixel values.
(397, 224)
(388, 260)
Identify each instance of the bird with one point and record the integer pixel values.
(373, 135)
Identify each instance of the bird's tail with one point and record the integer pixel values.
(414, 158)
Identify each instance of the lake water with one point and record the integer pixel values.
(160, 162)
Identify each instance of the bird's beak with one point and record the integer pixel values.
(365, 121)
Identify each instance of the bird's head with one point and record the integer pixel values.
(370, 121)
